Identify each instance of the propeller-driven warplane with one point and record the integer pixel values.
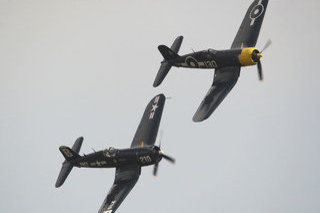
(128, 162)
(227, 63)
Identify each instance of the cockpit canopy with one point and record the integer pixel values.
(212, 51)
(110, 152)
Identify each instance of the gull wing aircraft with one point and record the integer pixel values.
(128, 162)
(227, 63)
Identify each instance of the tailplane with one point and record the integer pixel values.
(69, 154)
(168, 54)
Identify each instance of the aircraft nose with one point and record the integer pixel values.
(256, 55)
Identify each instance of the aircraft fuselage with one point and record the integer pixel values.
(211, 59)
(111, 158)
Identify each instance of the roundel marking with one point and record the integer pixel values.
(256, 12)
(192, 62)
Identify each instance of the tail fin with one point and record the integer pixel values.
(69, 154)
(168, 54)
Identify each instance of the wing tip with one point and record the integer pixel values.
(157, 81)
(80, 138)
(57, 185)
(161, 95)
(155, 84)
(198, 119)
(179, 38)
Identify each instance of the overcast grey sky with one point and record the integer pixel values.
(85, 68)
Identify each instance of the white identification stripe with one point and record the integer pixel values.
(154, 107)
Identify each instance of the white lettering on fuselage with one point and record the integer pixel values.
(210, 64)
(84, 164)
(145, 159)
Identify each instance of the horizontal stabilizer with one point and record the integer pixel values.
(169, 55)
(177, 44)
(69, 154)
(162, 73)
(77, 145)
(64, 172)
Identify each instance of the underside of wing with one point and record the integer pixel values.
(147, 131)
(224, 81)
(125, 179)
(248, 33)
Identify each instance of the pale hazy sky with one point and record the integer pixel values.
(85, 68)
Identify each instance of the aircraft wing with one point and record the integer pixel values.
(226, 78)
(224, 81)
(125, 179)
(248, 33)
(147, 131)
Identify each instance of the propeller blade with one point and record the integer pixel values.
(168, 158)
(155, 169)
(161, 155)
(269, 42)
(260, 71)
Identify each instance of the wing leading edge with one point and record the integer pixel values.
(147, 131)
(125, 179)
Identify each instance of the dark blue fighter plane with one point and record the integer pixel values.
(227, 63)
(128, 162)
